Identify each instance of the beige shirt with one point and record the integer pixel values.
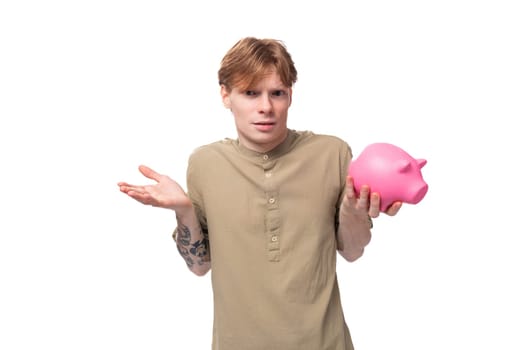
(271, 221)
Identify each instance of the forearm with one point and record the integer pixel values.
(353, 235)
(192, 242)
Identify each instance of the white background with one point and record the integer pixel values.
(91, 89)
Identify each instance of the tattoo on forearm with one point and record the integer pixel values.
(199, 249)
(184, 235)
(185, 255)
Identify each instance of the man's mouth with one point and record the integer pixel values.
(264, 123)
(264, 126)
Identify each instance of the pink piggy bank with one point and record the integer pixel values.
(391, 172)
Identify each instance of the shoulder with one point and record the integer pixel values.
(323, 141)
(210, 150)
(206, 158)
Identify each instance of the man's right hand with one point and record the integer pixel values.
(166, 193)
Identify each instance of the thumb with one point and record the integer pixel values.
(149, 173)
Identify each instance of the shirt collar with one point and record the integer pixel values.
(276, 152)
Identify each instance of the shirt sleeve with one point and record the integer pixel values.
(193, 181)
(345, 157)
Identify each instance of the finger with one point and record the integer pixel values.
(149, 173)
(127, 185)
(394, 208)
(350, 190)
(126, 188)
(375, 205)
(142, 197)
(363, 200)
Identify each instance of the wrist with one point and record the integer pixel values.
(183, 210)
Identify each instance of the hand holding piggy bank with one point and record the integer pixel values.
(391, 172)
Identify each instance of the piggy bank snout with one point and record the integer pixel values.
(420, 190)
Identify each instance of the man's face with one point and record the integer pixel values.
(260, 112)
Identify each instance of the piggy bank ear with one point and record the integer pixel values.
(421, 162)
(403, 165)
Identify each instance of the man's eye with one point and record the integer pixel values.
(279, 93)
(250, 93)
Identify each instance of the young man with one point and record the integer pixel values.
(267, 212)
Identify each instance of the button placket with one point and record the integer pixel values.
(271, 199)
(273, 224)
(272, 218)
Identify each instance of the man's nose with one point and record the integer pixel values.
(265, 103)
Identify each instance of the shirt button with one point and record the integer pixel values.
(265, 157)
(274, 238)
(271, 200)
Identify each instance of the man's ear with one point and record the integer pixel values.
(225, 95)
(291, 91)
